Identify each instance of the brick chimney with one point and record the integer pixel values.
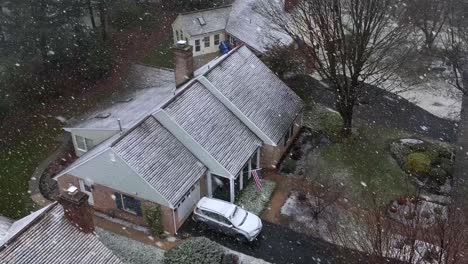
(290, 4)
(77, 210)
(183, 62)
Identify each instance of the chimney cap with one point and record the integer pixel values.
(181, 44)
(72, 189)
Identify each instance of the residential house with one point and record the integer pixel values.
(239, 24)
(56, 234)
(233, 117)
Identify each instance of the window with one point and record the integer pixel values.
(177, 34)
(207, 41)
(82, 143)
(216, 39)
(128, 203)
(197, 45)
(216, 217)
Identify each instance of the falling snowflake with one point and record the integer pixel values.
(364, 184)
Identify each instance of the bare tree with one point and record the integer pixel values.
(349, 42)
(429, 16)
(456, 41)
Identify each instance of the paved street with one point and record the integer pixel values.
(282, 245)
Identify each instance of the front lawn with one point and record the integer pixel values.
(162, 55)
(253, 201)
(18, 162)
(364, 165)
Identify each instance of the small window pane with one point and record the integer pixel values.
(197, 45)
(207, 41)
(216, 39)
(81, 143)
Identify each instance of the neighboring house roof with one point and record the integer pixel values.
(159, 158)
(250, 27)
(241, 21)
(256, 91)
(47, 237)
(147, 88)
(213, 126)
(205, 21)
(5, 224)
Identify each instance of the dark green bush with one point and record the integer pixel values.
(438, 175)
(152, 213)
(289, 166)
(198, 250)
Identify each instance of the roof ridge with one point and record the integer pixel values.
(204, 10)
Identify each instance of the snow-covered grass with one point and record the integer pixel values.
(301, 214)
(254, 201)
(427, 88)
(130, 251)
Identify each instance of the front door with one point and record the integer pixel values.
(88, 189)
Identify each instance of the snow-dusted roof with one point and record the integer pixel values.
(204, 21)
(5, 224)
(250, 27)
(147, 89)
(46, 236)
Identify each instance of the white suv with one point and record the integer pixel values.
(228, 218)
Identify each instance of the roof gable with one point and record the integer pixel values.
(255, 90)
(160, 159)
(214, 127)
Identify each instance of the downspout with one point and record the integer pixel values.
(173, 218)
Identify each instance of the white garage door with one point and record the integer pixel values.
(188, 203)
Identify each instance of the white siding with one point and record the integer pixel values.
(97, 136)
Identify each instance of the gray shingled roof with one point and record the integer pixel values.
(215, 18)
(158, 157)
(50, 238)
(214, 127)
(246, 24)
(256, 91)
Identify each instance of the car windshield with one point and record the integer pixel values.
(238, 217)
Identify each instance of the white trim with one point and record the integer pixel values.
(236, 111)
(209, 182)
(232, 190)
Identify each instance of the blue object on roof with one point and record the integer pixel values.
(224, 47)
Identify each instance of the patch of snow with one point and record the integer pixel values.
(245, 259)
(424, 128)
(411, 141)
(434, 95)
(171, 239)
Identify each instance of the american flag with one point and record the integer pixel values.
(258, 180)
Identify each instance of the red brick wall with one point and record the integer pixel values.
(104, 203)
(271, 156)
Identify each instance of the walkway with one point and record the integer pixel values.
(34, 182)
